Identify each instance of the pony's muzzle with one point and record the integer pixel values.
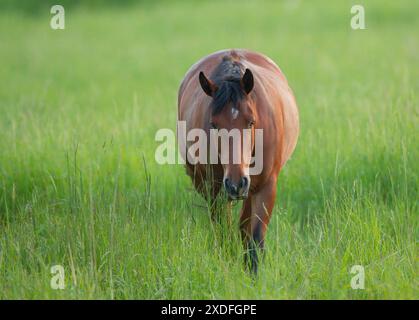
(238, 190)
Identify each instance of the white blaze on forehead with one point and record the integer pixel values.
(234, 113)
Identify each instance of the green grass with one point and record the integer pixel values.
(79, 110)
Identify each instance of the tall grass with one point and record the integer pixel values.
(79, 185)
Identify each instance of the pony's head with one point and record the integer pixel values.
(233, 111)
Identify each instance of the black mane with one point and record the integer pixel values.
(227, 77)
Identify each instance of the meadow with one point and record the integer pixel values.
(79, 185)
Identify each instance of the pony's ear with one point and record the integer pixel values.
(207, 85)
(247, 81)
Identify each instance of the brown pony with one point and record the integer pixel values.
(241, 89)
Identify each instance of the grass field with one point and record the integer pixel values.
(79, 185)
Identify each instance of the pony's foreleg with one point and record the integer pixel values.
(262, 204)
(245, 222)
(246, 230)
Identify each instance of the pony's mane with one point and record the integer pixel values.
(227, 76)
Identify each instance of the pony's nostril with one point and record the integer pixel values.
(231, 187)
(244, 182)
(227, 183)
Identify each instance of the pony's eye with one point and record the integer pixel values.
(213, 126)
